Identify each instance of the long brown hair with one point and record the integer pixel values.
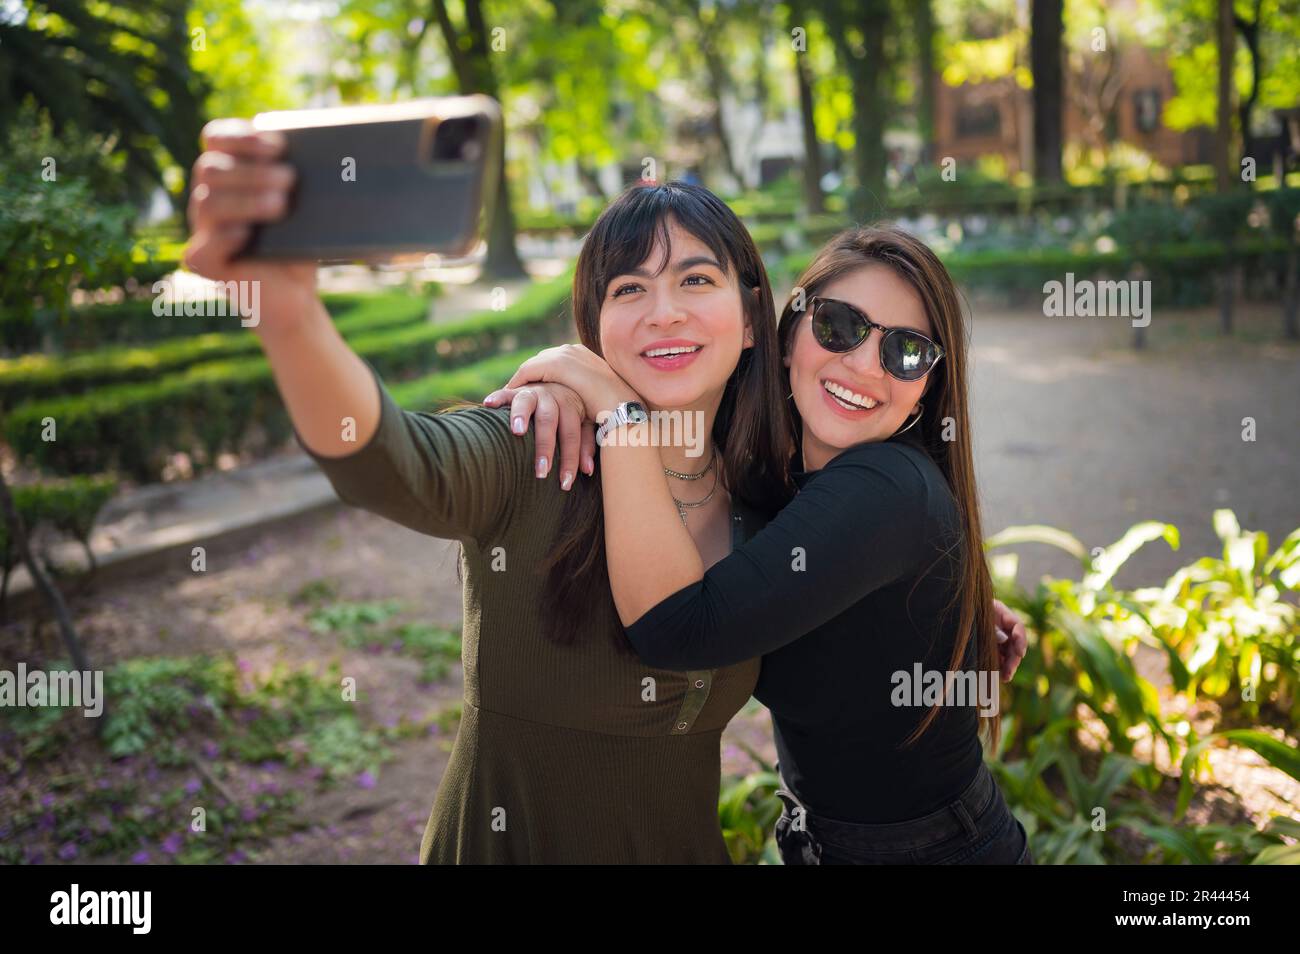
(946, 403)
(751, 430)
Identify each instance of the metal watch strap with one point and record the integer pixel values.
(627, 412)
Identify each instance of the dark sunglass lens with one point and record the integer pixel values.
(907, 355)
(838, 327)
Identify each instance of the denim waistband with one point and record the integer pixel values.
(957, 818)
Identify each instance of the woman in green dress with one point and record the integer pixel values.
(570, 749)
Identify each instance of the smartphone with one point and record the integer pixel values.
(385, 183)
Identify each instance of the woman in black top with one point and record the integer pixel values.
(867, 594)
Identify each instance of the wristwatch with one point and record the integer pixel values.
(628, 412)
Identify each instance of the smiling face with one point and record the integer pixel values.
(848, 399)
(674, 330)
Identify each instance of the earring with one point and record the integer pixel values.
(920, 409)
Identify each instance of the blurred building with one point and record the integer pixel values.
(1123, 104)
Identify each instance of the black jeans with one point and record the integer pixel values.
(976, 828)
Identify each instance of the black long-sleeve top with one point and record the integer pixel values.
(855, 580)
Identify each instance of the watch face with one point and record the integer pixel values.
(636, 413)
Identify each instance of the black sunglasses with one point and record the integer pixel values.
(840, 327)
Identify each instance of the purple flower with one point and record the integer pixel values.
(193, 786)
(171, 845)
(47, 800)
(68, 851)
(140, 858)
(236, 857)
(248, 813)
(211, 750)
(366, 779)
(244, 665)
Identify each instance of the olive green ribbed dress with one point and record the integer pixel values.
(576, 753)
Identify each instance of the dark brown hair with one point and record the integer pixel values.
(945, 402)
(751, 430)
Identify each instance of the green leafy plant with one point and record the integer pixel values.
(1078, 706)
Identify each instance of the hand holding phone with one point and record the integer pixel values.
(384, 183)
(239, 182)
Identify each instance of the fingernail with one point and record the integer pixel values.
(566, 479)
(541, 467)
(588, 465)
(517, 425)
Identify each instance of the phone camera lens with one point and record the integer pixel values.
(458, 140)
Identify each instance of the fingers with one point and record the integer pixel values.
(570, 430)
(500, 396)
(221, 170)
(1011, 649)
(546, 421)
(212, 206)
(523, 375)
(521, 410)
(238, 138)
(588, 448)
(209, 250)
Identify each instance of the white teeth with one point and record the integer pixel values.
(845, 396)
(678, 349)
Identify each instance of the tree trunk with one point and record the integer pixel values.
(1046, 27)
(925, 66)
(1250, 33)
(868, 73)
(42, 582)
(813, 200)
(1227, 44)
(474, 75)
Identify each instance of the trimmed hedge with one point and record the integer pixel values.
(37, 376)
(124, 323)
(211, 407)
(471, 383)
(69, 506)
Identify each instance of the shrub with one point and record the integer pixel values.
(1211, 619)
(37, 376)
(210, 407)
(68, 506)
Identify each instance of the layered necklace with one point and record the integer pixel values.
(684, 505)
